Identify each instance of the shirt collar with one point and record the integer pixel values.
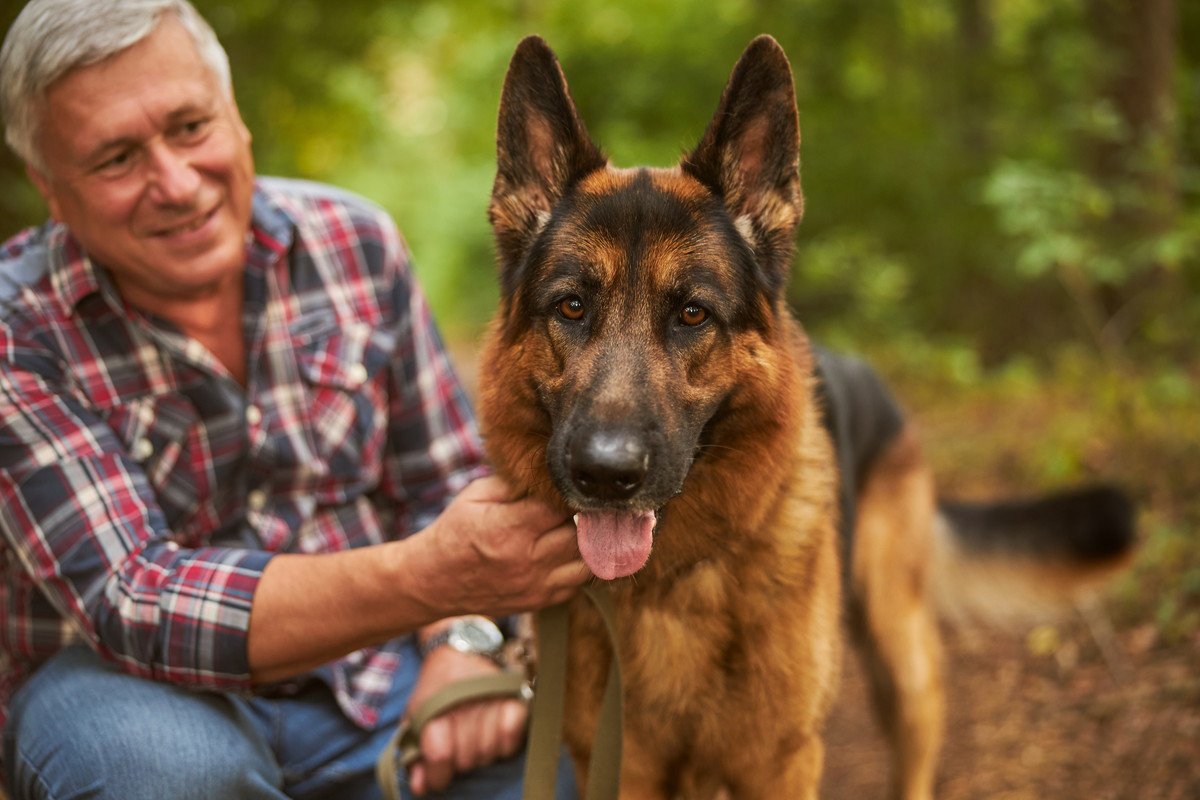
(272, 227)
(73, 276)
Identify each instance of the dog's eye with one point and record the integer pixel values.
(571, 308)
(693, 315)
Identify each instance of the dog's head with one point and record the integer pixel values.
(638, 306)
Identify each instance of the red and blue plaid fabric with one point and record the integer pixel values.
(143, 490)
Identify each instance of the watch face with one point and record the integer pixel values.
(476, 636)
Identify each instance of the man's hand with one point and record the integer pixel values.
(489, 553)
(466, 737)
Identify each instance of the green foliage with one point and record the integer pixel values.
(1051, 214)
(944, 154)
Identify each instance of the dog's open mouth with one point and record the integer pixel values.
(615, 544)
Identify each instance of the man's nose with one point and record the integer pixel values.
(174, 181)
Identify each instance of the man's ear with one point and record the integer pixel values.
(542, 148)
(750, 155)
(42, 183)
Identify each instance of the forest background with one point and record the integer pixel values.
(1002, 214)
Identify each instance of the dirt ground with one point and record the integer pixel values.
(1064, 725)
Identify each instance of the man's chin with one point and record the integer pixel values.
(169, 278)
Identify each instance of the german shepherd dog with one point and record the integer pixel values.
(644, 371)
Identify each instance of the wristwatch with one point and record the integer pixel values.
(474, 634)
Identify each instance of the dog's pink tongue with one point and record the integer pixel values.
(615, 543)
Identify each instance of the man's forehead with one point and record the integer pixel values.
(148, 84)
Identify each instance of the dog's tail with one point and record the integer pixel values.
(1021, 560)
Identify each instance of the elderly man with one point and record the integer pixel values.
(240, 489)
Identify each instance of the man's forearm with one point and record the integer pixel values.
(311, 609)
(486, 554)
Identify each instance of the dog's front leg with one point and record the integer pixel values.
(797, 776)
(633, 786)
(634, 789)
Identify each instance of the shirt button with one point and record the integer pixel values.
(142, 449)
(358, 374)
(253, 414)
(257, 500)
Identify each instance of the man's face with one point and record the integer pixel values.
(148, 162)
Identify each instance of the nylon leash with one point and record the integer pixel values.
(604, 770)
(545, 728)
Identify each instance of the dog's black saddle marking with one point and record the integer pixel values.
(862, 418)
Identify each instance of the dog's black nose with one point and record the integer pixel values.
(609, 464)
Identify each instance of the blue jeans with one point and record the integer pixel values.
(81, 729)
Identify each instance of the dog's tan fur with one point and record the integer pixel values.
(893, 617)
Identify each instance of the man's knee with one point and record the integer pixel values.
(80, 724)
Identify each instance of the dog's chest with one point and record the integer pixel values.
(682, 648)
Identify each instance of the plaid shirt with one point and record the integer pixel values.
(143, 490)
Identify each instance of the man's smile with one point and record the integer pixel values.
(191, 226)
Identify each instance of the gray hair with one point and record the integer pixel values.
(52, 37)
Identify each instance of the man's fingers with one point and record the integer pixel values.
(488, 489)
(513, 716)
(505, 510)
(557, 545)
(569, 576)
(470, 729)
(416, 779)
(437, 752)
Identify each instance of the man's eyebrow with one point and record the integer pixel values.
(190, 110)
(121, 142)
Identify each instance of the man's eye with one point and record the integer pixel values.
(116, 164)
(193, 128)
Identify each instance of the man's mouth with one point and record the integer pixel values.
(615, 544)
(188, 227)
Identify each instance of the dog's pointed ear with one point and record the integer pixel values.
(542, 147)
(750, 155)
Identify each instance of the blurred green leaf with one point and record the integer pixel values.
(948, 146)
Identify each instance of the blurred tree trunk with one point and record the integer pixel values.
(975, 39)
(1139, 37)
(1139, 164)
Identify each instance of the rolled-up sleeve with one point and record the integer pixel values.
(79, 514)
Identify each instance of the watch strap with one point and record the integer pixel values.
(434, 642)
